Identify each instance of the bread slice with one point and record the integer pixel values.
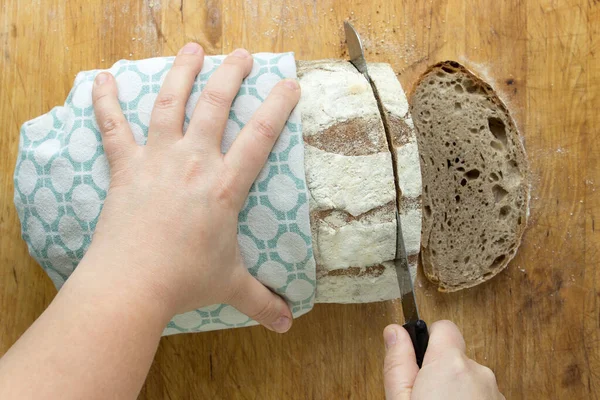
(406, 156)
(475, 177)
(350, 180)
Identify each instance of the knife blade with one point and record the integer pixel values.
(355, 49)
(416, 327)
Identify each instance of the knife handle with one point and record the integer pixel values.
(419, 335)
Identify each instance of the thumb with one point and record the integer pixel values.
(259, 303)
(400, 367)
(444, 337)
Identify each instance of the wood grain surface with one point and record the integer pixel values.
(537, 324)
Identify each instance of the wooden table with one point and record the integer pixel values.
(537, 324)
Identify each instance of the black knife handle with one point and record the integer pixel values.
(420, 338)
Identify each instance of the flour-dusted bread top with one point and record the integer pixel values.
(475, 177)
(351, 184)
(340, 114)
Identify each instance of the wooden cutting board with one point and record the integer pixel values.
(537, 324)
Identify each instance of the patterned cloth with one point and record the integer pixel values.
(62, 176)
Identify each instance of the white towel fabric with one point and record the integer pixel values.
(62, 176)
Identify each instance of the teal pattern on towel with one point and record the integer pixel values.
(62, 177)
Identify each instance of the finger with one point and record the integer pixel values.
(117, 138)
(487, 376)
(400, 367)
(250, 149)
(443, 336)
(259, 303)
(212, 110)
(168, 114)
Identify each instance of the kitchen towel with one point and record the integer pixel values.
(62, 176)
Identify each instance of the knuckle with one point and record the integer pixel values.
(234, 294)
(267, 312)
(215, 98)
(192, 168)
(391, 364)
(226, 192)
(265, 128)
(457, 361)
(98, 96)
(111, 125)
(165, 101)
(487, 373)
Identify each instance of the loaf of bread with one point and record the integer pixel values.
(350, 179)
(475, 177)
